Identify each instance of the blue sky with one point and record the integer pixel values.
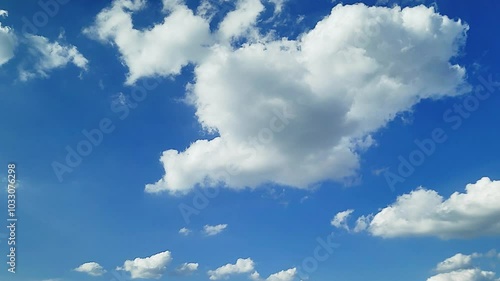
(357, 124)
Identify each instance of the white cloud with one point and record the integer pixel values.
(340, 219)
(187, 268)
(297, 112)
(184, 231)
(91, 268)
(362, 223)
(424, 212)
(151, 267)
(284, 275)
(223, 272)
(458, 261)
(212, 230)
(161, 50)
(241, 21)
(8, 41)
(50, 55)
(465, 275)
(245, 266)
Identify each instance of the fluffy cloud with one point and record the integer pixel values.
(241, 21)
(212, 230)
(187, 268)
(465, 275)
(459, 268)
(161, 50)
(151, 267)
(284, 275)
(340, 219)
(297, 112)
(458, 261)
(91, 268)
(50, 55)
(244, 266)
(241, 266)
(424, 212)
(7, 41)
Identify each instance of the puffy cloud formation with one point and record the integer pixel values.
(50, 55)
(243, 266)
(161, 50)
(91, 268)
(212, 230)
(340, 219)
(296, 112)
(424, 212)
(287, 112)
(459, 268)
(7, 41)
(474, 274)
(151, 267)
(284, 275)
(458, 261)
(187, 268)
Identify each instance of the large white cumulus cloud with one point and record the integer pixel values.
(288, 112)
(294, 112)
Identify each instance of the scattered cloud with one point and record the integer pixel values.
(340, 219)
(474, 274)
(151, 267)
(284, 275)
(184, 231)
(424, 212)
(187, 268)
(50, 55)
(458, 261)
(212, 230)
(241, 266)
(247, 266)
(91, 268)
(8, 41)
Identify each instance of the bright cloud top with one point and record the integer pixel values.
(284, 275)
(297, 112)
(247, 266)
(424, 212)
(458, 261)
(151, 267)
(7, 41)
(91, 268)
(51, 55)
(212, 230)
